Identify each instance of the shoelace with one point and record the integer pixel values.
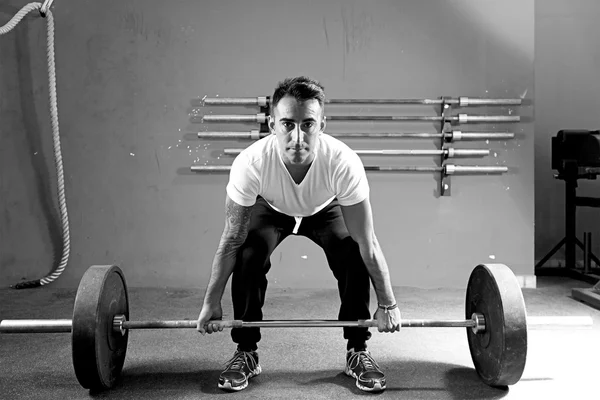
(365, 359)
(239, 358)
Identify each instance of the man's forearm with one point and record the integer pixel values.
(222, 268)
(378, 270)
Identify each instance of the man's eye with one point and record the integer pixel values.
(287, 124)
(309, 125)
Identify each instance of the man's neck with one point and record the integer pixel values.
(298, 172)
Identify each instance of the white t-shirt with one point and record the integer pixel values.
(336, 172)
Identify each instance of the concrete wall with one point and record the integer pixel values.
(128, 73)
(567, 81)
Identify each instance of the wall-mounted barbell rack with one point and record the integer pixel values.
(446, 135)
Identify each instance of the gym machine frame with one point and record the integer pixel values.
(575, 155)
(571, 241)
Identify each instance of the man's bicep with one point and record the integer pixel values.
(237, 220)
(359, 221)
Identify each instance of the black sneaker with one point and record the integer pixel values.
(362, 366)
(241, 367)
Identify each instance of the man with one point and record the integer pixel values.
(301, 181)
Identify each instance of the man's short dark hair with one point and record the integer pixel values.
(302, 88)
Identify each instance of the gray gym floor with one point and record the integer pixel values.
(429, 363)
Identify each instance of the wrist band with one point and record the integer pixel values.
(387, 308)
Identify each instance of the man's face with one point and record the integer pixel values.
(297, 126)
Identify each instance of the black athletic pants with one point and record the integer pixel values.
(267, 229)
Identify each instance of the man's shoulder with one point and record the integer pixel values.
(338, 151)
(333, 145)
(259, 149)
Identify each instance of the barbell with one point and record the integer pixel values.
(449, 152)
(446, 169)
(496, 322)
(461, 101)
(261, 118)
(452, 136)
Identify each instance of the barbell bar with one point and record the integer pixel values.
(121, 324)
(461, 101)
(447, 153)
(460, 118)
(447, 169)
(476, 323)
(451, 136)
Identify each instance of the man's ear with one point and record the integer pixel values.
(323, 123)
(271, 123)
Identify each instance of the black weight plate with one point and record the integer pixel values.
(499, 353)
(98, 351)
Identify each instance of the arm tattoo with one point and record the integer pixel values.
(236, 227)
(238, 219)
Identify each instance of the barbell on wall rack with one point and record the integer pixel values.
(447, 169)
(460, 118)
(446, 153)
(496, 323)
(448, 136)
(461, 101)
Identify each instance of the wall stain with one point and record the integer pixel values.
(325, 31)
(358, 27)
(133, 21)
(157, 161)
(357, 31)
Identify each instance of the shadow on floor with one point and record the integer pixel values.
(410, 379)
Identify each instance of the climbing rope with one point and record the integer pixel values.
(47, 14)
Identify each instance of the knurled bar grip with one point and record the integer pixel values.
(461, 118)
(450, 152)
(462, 101)
(455, 135)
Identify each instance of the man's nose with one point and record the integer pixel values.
(298, 135)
